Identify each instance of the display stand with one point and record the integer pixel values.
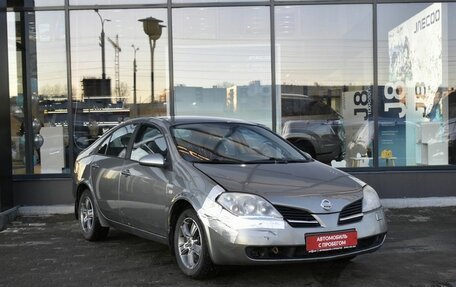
(431, 145)
(53, 151)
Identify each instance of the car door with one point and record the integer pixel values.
(106, 169)
(143, 189)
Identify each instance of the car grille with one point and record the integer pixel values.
(297, 217)
(352, 212)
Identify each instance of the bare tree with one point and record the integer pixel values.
(124, 92)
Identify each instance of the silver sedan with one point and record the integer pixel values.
(222, 192)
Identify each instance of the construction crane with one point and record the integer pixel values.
(116, 62)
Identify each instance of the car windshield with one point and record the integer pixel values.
(232, 143)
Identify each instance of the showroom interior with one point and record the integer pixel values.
(365, 86)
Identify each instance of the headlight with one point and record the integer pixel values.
(241, 204)
(370, 199)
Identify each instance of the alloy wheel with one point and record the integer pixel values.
(189, 243)
(86, 215)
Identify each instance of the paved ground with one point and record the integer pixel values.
(49, 251)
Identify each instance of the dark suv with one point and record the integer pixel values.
(313, 126)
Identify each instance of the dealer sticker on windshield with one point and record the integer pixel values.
(331, 241)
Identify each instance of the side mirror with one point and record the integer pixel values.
(153, 160)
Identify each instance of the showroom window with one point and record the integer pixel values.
(222, 62)
(324, 71)
(38, 92)
(211, 1)
(35, 3)
(417, 110)
(115, 2)
(221, 66)
(127, 77)
(39, 3)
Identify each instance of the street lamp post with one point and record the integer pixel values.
(134, 80)
(102, 44)
(153, 29)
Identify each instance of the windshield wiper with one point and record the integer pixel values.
(271, 160)
(278, 160)
(298, 160)
(221, 161)
(268, 160)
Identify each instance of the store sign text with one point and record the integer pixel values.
(362, 101)
(427, 21)
(394, 97)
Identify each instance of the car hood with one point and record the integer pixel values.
(302, 185)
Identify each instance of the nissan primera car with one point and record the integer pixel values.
(222, 192)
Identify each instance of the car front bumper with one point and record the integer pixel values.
(239, 242)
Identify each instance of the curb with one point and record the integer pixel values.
(419, 202)
(45, 210)
(7, 216)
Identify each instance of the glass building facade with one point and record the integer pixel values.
(365, 86)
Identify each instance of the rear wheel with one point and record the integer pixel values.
(190, 246)
(88, 219)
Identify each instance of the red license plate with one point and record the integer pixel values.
(331, 241)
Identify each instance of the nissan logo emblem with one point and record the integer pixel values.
(326, 204)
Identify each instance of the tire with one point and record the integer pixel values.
(190, 246)
(88, 219)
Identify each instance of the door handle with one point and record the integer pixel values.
(94, 165)
(126, 172)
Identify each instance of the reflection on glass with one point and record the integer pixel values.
(35, 3)
(39, 3)
(123, 78)
(115, 2)
(46, 58)
(417, 111)
(212, 1)
(119, 140)
(16, 95)
(325, 81)
(232, 143)
(148, 141)
(222, 63)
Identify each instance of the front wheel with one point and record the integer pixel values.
(190, 246)
(88, 219)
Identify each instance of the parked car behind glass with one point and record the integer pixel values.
(222, 192)
(313, 126)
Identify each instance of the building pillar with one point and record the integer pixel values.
(6, 193)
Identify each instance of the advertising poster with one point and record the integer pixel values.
(412, 96)
(359, 127)
(392, 128)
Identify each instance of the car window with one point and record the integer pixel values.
(262, 144)
(120, 138)
(231, 143)
(148, 141)
(104, 146)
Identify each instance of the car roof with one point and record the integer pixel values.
(177, 120)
